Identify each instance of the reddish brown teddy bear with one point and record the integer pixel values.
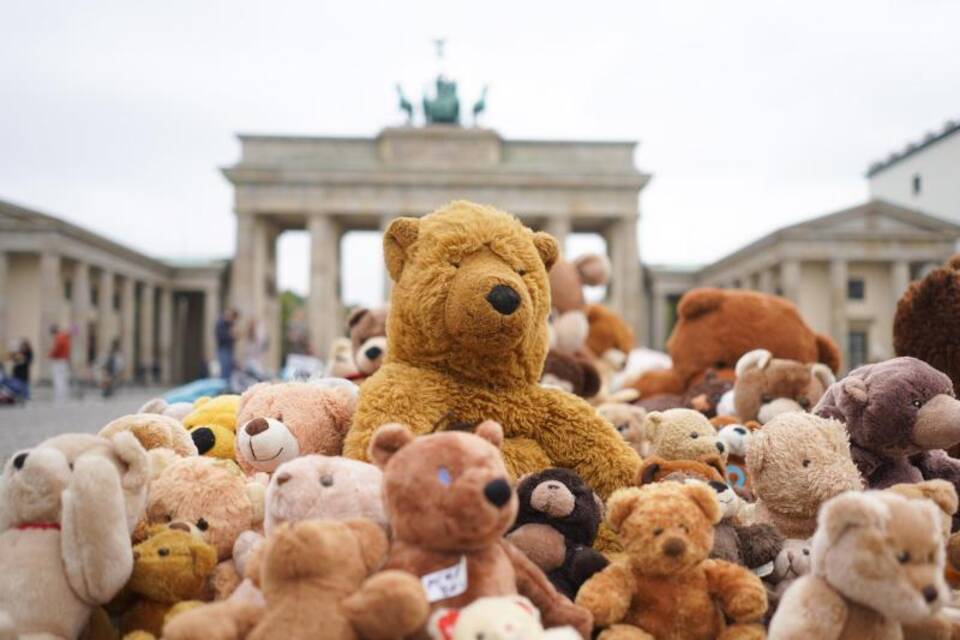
(449, 501)
(717, 326)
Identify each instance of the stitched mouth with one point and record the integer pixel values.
(253, 454)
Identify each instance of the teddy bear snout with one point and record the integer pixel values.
(503, 299)
(283, 477)
(255, 426)
(674, 547)
(553, 499)
(938, 423)
(498, 492)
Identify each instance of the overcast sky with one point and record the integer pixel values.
(750, 115)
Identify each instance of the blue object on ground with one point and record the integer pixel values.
(197, 389)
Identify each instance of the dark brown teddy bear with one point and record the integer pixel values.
(556, 525)
(927, 323)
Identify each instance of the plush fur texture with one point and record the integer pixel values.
(944, 495)
(495, 618)
(627, 419)
(900, 414)
(153, 431)
(877, 564)
(925, 325)
(471, 506)
(656, 469)
(67, 509)
(715, 327)
(768, 386)
(572, 374)
(178, 410)
(368, 338)
(283, 420)
(556, 525)
(685, 434)
(453, 358)
(213, 424)
(704, 396)
(736, 437)
(754, 546)
(316, 580)
(610, 338)
(170, 566)
(664, 586)
(792, 562)
(569, 277)
(796, 463)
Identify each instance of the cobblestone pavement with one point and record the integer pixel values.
(25, 426)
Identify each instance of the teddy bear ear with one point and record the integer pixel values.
(386, 441)
(756, 359)
(134, 459)
(594, 269)
(822, 373)
(705, 498)
(699, 302)
(652, 421)
(954, 262)
(620, 505)
(849, 510)
(941, 492)
(355, 316)
(491, 431)
(547, 247)
(399, 236)
(372, 541)
(648, 471)
(853, 391)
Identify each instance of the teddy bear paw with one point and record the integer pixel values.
(748, 604)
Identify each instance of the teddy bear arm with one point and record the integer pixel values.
(608, 594)
(809, 609)
(390, 604)
(585, 563)
(224, 580)
(227, 620)
(741, 594)
(557, 610)
(95, 539)
(938, 627)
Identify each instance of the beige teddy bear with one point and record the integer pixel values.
(67, 509)
(685, 434)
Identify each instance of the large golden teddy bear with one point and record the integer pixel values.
(466, 341)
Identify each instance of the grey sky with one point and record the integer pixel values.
(750, 115)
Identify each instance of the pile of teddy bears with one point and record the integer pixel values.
(477, 463)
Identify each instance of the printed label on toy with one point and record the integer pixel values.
(446, 583)
(764, 570)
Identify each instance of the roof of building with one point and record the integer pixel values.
(949, 128)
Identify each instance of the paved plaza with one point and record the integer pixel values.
(25, 426)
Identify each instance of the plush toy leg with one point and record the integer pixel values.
(624, 632)
(744, 631)
(390, 604)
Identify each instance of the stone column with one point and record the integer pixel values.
(80, 318)
(790, 279)
(323, 302)
(765, 282)
(51, 299)
(839, 325)
(253, 271)
(625, 294)
(128, 294)
(164, 353)
(106, 326)
(4, 296)
(659, 319)
(560, 227)
(211, 313)
(899, 277)
(146, 331)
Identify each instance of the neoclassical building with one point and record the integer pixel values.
(56, 273)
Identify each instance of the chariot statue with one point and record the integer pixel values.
(444, 106)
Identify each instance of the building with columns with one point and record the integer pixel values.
(56, 273)
(331, 185)
(845, 271)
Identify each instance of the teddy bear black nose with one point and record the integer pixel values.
(204, 439)
(497, 492)
(255, 426)
(930, 593)
(720, 447)
(674, 547)
(718, 486)
(373, 352)
(504, 299)
(19, 460)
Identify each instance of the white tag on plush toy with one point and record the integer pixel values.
(764, 570)
(446, 583)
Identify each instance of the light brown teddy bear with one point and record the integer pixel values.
(213, 498)
(315, 579)
(796, 463)
(768, 386)
(368, 339)
(877, 565)
(467, 338)
(628, 419)
(664, 586)
(685, 434)
(67, 509)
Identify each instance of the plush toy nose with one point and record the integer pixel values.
(504, 299)
(204, 439)
(373, 352)
(497, 492)
(674, 547)
(718, 486)
(720, 447)
(255, 426)
(19, 460)
(930, 593)
(283, 477)
(180, 526)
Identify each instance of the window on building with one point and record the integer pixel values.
(68, 289)
(917, 184)
(94, 296)
(116, 301)
(857, 348)
(856, 289)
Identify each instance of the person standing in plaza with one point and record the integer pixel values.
(60, 363)
(226, 341)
